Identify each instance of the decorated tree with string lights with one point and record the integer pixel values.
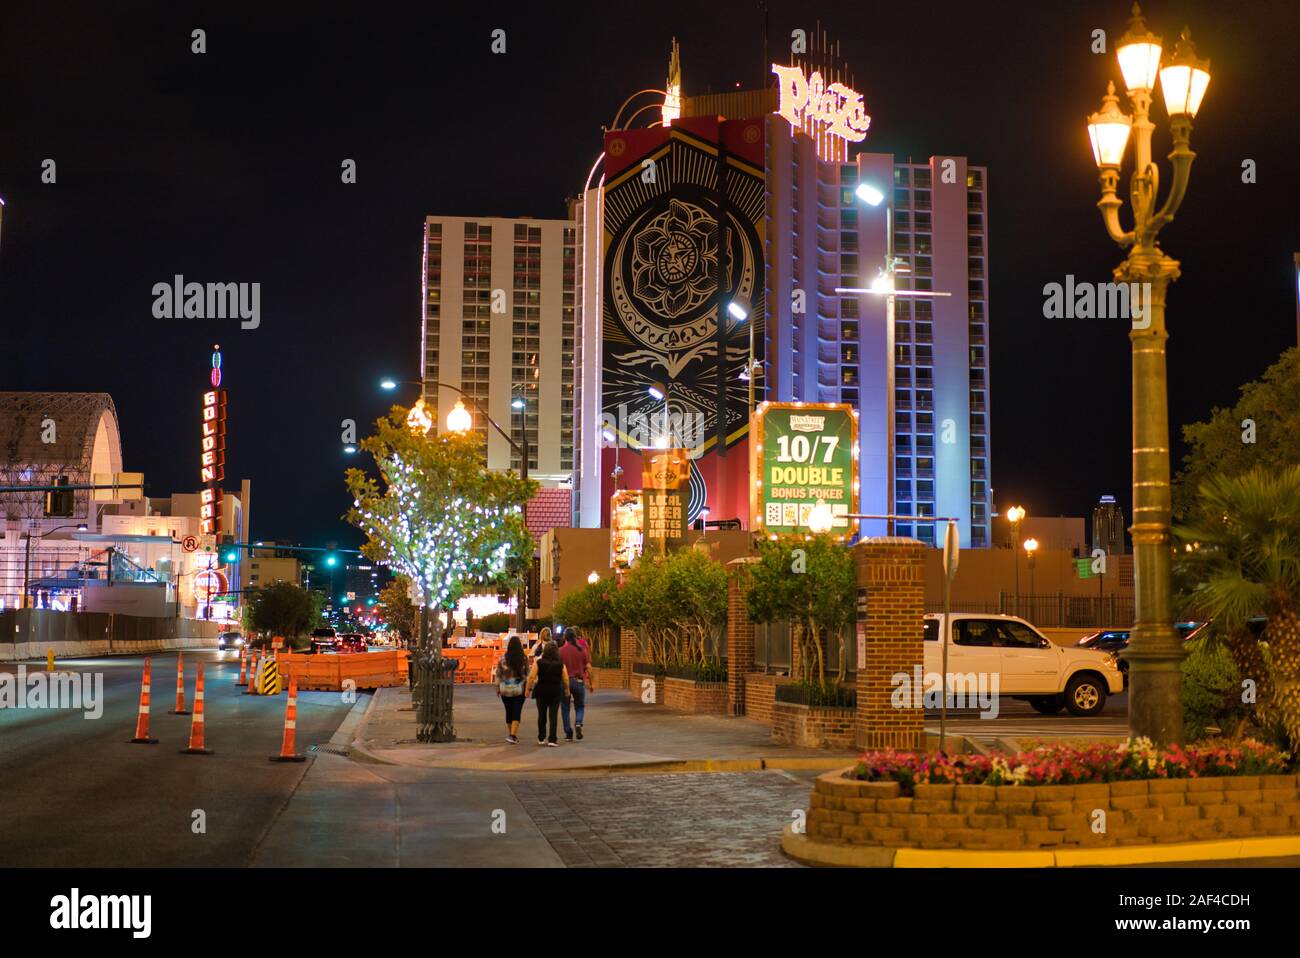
(437, 515)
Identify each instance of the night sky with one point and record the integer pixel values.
(225, 167)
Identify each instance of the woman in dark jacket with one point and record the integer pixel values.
(512, 672)
(550, 680)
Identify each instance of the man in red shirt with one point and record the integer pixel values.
(578, 664)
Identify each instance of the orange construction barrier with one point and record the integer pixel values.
(287, 753)
(252, 677)
(180, 688)
(326, 672)
(476, 665)
(142, 720)
(243, 666)
(196, 725)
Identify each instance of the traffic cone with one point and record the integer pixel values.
(196, 725)
(252, 677)
(243, 666)
(180, 688)
(290, 726)
(142, 721)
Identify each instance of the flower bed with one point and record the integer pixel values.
(1067, 764)
(1057, 797)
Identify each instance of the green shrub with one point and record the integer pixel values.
(1211, 691)
(606, 662)
(818, 695)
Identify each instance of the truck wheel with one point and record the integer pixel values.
(1048, 704)
(1085, 695)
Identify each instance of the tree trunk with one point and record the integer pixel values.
(1248, 656)
(1284, 647)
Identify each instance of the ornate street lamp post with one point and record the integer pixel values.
(1155, 653)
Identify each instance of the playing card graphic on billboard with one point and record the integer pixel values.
(663, 257)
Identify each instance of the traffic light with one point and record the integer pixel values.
(370, 601)
(331, 560)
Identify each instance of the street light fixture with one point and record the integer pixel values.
(593, 577)
(1016, 515)
(869, 194)
(821, 519)
(1155, 652)
(1031, 546)
(459, 419)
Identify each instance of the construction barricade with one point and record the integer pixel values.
(326, 672)
(476, 665)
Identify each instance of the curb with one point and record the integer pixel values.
(356, 751)
(810, 852)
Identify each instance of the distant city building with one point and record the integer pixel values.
(498, 299)
(1108, 527)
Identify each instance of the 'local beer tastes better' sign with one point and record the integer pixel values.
(803, 454)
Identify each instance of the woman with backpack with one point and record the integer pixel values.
(549, 681)
(512, 671)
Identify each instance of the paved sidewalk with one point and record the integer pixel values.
(621, 734)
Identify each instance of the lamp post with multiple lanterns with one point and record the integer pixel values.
(460, 420)
(1155, 653)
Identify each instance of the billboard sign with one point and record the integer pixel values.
(803, 454)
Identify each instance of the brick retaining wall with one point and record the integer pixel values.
(608, 678)
(1002, 817)
(760, 695)
(794, 724)
(698, 698)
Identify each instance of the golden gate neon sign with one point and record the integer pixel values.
(212, 452)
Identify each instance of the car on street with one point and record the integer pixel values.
(230, 640)
(1027, 664)
(351, 642)
(323, 640)
(1116, 640)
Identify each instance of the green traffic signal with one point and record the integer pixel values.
(232, 556)
(331, 560)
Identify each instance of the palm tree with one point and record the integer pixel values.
(1244, 557)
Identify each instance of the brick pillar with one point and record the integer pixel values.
(891, 613)
(740, 635)
(626, 654)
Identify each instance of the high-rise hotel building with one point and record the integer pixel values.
(922, 386)
(801, 248)
(499, 298)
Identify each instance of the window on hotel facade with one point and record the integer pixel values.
(900, 176)
(974, 179)
(921, 178)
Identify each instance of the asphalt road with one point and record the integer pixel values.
(74, 792)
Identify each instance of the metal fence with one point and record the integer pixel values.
(773, 644)
(1059, 611)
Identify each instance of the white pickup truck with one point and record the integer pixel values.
(1027, 664)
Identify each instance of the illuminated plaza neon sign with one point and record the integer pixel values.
(811, 104)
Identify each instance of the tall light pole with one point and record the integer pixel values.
(460, 420)
(1031, 547)
(1155, 652)
(885, 284)
(1015, 516)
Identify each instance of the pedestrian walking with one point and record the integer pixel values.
(577, 664)
(512, 673)
(549, 683)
